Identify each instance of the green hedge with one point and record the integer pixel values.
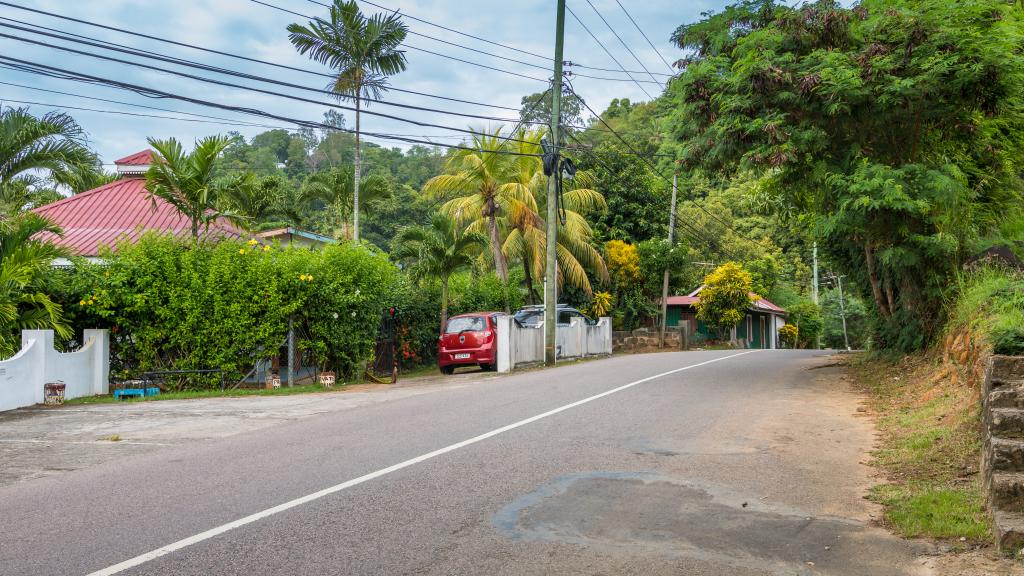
(177, 306)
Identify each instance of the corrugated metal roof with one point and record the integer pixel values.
(142, 158)
(120, 210)
(694, 297)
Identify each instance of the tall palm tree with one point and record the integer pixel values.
(363, 51)
(43, 152)
(438, 251)
(335, 189)
(186, 181)
(25, 260)
(487, 188)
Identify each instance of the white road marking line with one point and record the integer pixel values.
(185, 542)
(90, 442)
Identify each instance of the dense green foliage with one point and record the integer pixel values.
(895, 125)
(25, 282)
(172, 305)
(990, 303)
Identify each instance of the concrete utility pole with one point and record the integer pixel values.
(664, 281)
(551, 287)
(814, 289)
(814, 286)
(842, 311)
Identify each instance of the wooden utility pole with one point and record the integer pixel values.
(551, 285)
(671, 239)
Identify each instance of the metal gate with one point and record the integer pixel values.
(385, 359)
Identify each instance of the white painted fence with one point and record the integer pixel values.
(518, 345)
(85, 372)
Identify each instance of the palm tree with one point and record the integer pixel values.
(438, 251)
(43, 152)
(487, 186)
(25, 260)
(186, 181)
(363, 52)
(254, 198)
(335, 190)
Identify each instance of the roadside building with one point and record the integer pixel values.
(758, 329)
(123, 210)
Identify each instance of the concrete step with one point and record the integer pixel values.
(1006, 455)
(1007, 368)
(1007, 395)
(1006, 423)
(1007, 491)
(1009, 530)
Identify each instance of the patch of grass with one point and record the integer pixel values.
(283, 391)
(934, 511)
(929, 447)
(111, 438)
(991, 303)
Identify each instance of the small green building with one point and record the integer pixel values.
(758, 329)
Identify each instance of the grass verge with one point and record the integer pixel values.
(929, 449)
(283, 391)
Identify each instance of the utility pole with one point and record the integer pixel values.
(814, 289)
(814, 286)
(842, 311)
(664, 281)
(551, 286)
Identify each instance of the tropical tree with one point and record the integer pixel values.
(527, 236)
(485, 184)
(40, 153)
(725, 296)
(253, 198)
(25, 260)
(438, 251)
(335, 189)
(186, 181)
(363, 52)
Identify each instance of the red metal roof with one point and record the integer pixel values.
(142, 158)
(120, 210)
(694, 297)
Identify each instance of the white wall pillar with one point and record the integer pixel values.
(504, 343)
(35, 360)
(100, 359)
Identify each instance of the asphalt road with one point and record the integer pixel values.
(699, 463)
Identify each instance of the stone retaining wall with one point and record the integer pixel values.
(1003, 448)
(643, 338)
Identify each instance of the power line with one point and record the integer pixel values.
(56, 72)
(427, 22)
(642, 33)
(411, 47)
(232, 55)
(74, 38)
(607, 51)
(652, 167)
(693, 232)
(575, 65)
(36, 88)
(621, 41)
(267, 92)
(143, 115)
(435, 39)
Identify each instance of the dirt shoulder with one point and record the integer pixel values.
(927, 459)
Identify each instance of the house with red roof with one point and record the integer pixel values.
(758, 329)
(123, 210)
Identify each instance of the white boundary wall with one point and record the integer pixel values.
(518, 345)
(85, 372)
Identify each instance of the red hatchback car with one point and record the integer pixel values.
(469, 339)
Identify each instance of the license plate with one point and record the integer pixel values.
(461, 356)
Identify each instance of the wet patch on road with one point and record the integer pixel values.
(647, 512)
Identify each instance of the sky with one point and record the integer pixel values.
(258, 31)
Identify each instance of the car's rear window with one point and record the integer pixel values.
(465, 324)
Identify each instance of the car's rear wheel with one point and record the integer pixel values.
(448, 370)
(487, 367)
